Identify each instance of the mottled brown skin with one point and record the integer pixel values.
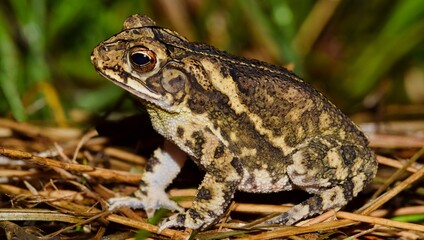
(251, 126)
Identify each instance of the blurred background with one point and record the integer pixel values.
(366, 56)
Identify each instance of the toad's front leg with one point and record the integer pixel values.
(161, 169)
(212, 199)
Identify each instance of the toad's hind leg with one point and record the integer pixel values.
(333, 171)
(332, 198)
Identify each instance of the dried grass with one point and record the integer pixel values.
(54, 183)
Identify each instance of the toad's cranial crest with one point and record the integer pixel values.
(251, 126)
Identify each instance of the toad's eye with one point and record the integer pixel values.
(142, 59)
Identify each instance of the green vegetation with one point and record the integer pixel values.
(347, 49)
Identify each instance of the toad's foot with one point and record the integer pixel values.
(189, 219)
(150, 205)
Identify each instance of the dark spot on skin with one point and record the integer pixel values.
(117, 68)
(189, 144)
(181, 218)
(230, 188)
(348, 189)
(199, 141)
(180, 132)
(315, 204)
(348, 154)
(203, 194)
(151, 164)
(291, 139)
(236, 163)
(195, 215)
(243, 85)
(333, 197)
(224, 71)
(197, 102)
(124, 76)
(219, 151)
(211, 214)
(215, 171)
(314, 156)
(317, 149)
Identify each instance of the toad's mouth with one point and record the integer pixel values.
(134, 86)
